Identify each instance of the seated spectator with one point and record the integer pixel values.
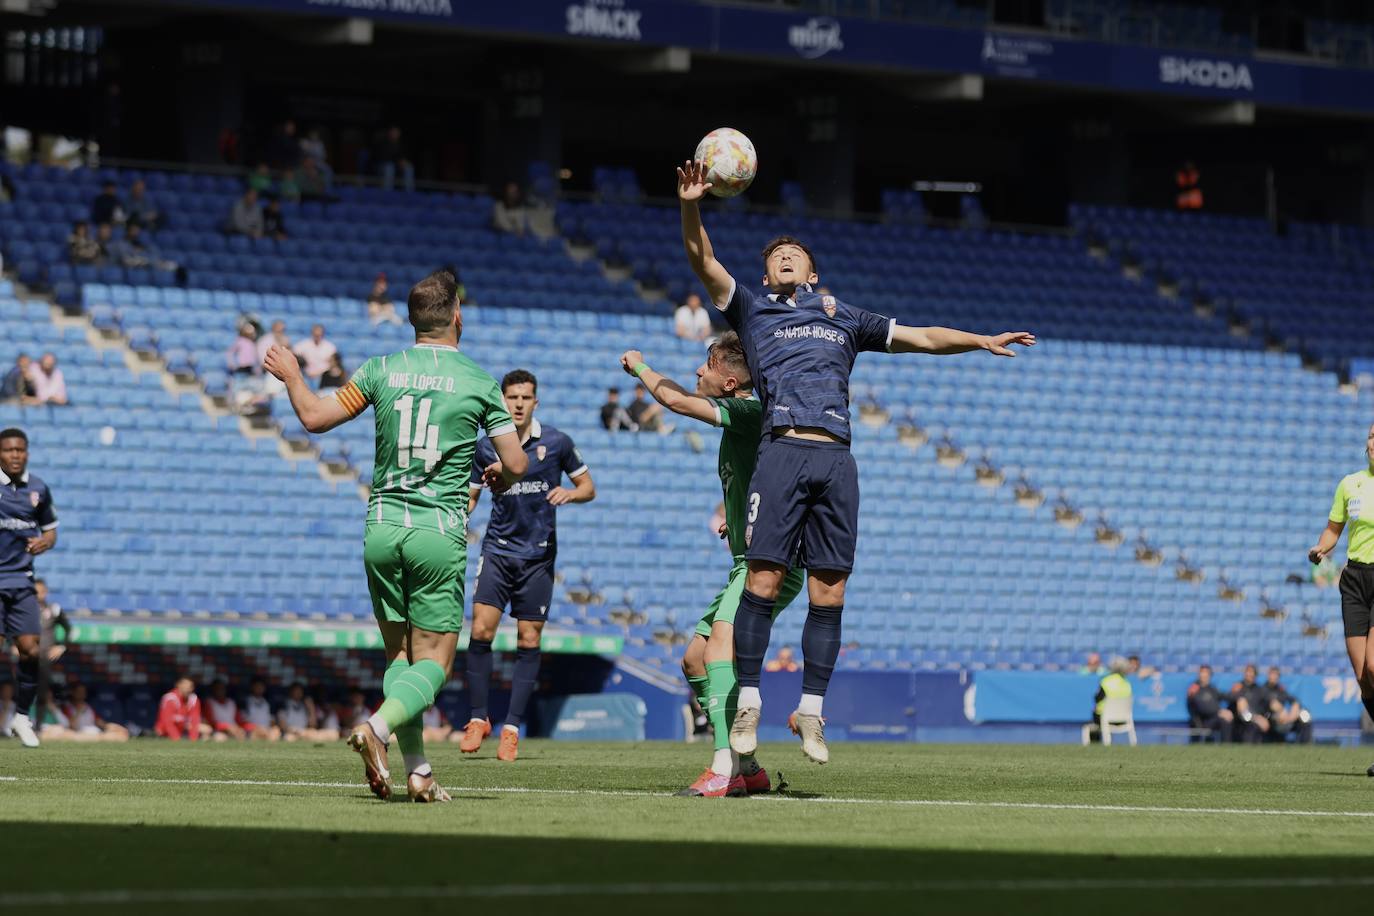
(49, 387)
(178, 714)
(313, 183)
(243, 353)
(289, 189)
(690, 321)
(1136, 670)
(223, 713)
(390, 159)
(85, 723)
(1249, 707)
(6, 708)
(1204, 706)
(1114, 686)
(613, 416)
(647, 414)
(277, 335)
(142, 210)
(260, 180)
(1286, 714)
(509, 213)
(17, 384)
(326, 716)
(273, 220)
(1093, 665)
(110, 249)
(81, 248)
(334, 376)
(785, 660)
(436, 725)
(298, 719)
(356, 711)
(316, 158)
(107, 208)
(256, 717)
(246, 217)
(379, 305)
(54, 724)
(316, 351)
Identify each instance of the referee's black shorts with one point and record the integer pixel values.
(1357, 597)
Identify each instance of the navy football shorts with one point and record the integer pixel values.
(19, 611)
(803, 505)
(526, 585)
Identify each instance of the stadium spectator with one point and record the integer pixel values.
(1205, 709)
(284, 151)
(243, 358)
(107, 208)
(49, 385)
(85, 723)
(313, 182)
(509, 214)
(316, 350)
(1112, 687)
(299, 720)
(289, 188)
(690, 321)
(273, 220)
(6, 708)
(256, 716)
(246, 217)
(1093, 665)
(380, 308)
(223, 714)
(1249, 705)
(105, 238)
(55, 726)
(613, 416)
(1136, 670)
(785, 660)
(390, 159)
(260, 180)
(178, 714)
(646, 414)
(356, 711)
(142, 209)
(316, 159)
(437, 727)
(334, 376)
(275, 335)
(1286, 714)
(81, 248)
(327, 719)
(17, 384)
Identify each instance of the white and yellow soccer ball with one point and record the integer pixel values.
(731, 162)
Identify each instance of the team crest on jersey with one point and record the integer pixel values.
(540, 452)
(33, 499)
(828, 304)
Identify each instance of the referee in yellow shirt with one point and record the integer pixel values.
(1353, 496)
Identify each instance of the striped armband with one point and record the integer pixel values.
(352, 399)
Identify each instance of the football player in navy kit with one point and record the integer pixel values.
(516, 564)
(804, 495)
(28, 527)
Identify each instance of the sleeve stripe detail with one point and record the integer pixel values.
(48, 527)
(501, 430)
(577, 473)
(891, 329)
(720, 420)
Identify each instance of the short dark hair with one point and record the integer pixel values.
(431, 302)
(789, 240)
(519, 377)
(1204, 667)
(14, 432)
(728, 353)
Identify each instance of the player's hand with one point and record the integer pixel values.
(282, 363)
(1315, 555)
(559, 496)
(691, 181)
(40, 544)
(1000, 345)
(493, 479)
(723, 530)
(629, 359)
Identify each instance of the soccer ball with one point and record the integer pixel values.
(730, 161)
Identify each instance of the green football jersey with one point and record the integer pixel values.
(429, 402)
(741, 422)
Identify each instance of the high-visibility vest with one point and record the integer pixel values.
(1113, 686)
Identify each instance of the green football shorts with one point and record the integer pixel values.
(415, 576)
(724, 605)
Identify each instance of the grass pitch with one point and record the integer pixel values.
(893, 828)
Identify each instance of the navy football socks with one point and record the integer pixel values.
(522, 684)
(820, 647)
(753, 627)
(26, 686)
(479, 676)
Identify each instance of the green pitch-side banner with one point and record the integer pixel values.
(324, 637)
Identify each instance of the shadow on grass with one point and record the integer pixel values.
(204, 869)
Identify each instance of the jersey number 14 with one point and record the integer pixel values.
(424, 445)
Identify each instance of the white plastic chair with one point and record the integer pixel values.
(1118, 718)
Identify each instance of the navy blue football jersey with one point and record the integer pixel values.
(522, 521)
(26, 511)
(801, 352)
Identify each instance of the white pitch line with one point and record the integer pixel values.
(899, 802)
(651, 889)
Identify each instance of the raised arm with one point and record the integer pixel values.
(668, 392)
(317, 414)
(691, 187)
(948, 341)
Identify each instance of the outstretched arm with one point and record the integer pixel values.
(668, 392)
(691, 187)
(317, 414)
(948, 341)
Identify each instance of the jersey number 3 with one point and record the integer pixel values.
(424, 445)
